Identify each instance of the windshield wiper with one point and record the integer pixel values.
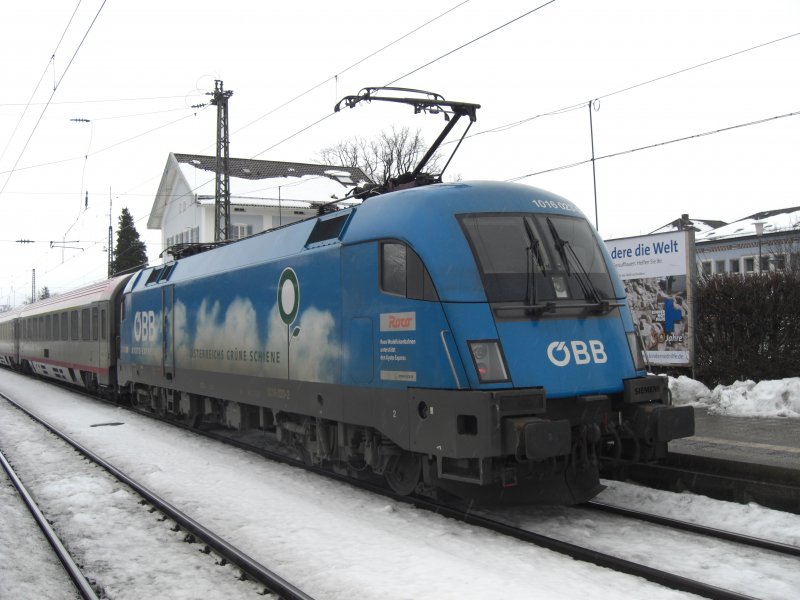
(588, 288)
(533, 250)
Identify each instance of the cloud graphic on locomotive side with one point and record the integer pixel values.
(315, 353)
(232, 342)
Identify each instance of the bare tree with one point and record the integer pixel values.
(392, 154)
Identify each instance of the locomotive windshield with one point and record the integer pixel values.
(537, 258)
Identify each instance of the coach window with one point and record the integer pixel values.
(86, 330)
(74, 328)
(42, 330)
(94, 323)
(103, 328)
(56, 330)
(402, 273)
(64, 327)
(48, 327)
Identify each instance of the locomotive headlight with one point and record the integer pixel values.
(637, 351)
(489, 362)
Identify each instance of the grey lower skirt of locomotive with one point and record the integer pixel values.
(554, 456)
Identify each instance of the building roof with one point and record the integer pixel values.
(245, 168)
(251, 182)
(775, 221)
(699, 225)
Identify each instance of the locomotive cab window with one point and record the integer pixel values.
(403, 274)
(537, 258)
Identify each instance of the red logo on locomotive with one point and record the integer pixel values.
(405, 321)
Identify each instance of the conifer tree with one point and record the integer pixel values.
(130, 252)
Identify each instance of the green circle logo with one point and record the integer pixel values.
(288, 295)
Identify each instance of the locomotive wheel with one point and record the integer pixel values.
(403, 472)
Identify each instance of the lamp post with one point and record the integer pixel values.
(759, 225)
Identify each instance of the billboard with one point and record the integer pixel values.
(656, 270)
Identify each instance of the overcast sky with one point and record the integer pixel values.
(142, 65)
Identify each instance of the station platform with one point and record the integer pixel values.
(772, 442)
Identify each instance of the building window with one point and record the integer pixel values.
(749, 264)
(241, 231)
(764, 263)
(720, 266)
(705, 267)
(734, 265)
(779, 262)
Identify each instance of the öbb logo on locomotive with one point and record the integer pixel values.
(559, 353)
(145, 327)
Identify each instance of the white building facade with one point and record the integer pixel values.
(264, 195)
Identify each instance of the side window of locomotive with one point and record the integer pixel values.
(154, 276)
(402, 273)
(393, 269)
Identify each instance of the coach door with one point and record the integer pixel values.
(100, 352)
(168, 329)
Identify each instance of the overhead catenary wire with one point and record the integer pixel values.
(55, 87)
(472, 41)
(656, 145)
(566, 109)
(581, 105)
(36, 87)
(106, 148)
(352, 66)
(340, 72)
(101, 100)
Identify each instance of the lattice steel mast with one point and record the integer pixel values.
(222, 195)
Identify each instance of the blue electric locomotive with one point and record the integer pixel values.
(467, 337)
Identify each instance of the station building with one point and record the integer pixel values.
(264, 194)
(765, 241)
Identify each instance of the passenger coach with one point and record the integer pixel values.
(71, 337)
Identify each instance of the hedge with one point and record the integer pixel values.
(747, 327)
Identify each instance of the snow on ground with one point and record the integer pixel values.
(117, 541)
(326, 537)
(40, 575)
(778, 398)
(338, 542)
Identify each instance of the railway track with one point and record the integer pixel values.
(82, 587)
(486, 520)
(588, 554)
(769, 486)
(194, 531)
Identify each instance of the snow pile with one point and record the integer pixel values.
(777, 398)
